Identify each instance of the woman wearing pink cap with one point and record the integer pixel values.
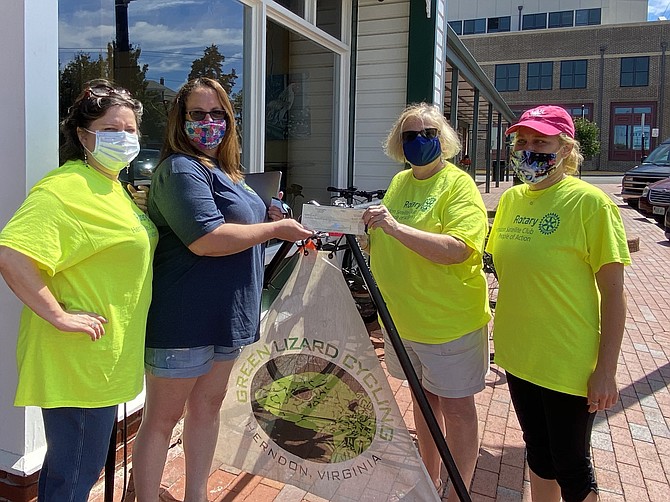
(559, 247)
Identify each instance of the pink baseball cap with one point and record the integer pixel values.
(546, 119)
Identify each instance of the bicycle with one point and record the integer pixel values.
(336, 245)
(355, 198)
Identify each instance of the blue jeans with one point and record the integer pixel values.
(77, 444)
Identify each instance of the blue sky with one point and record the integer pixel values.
(171, 33)
(658, 8)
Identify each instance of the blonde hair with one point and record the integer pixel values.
(575, 157)
(176, 140)
(449, 141)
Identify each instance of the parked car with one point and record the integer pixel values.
(654, 168)
(655, 199)
(666, 224)
(142, 167)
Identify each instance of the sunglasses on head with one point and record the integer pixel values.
(199, 115)
(428, 133)
(105, 91)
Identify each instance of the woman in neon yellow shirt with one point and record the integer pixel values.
(426, 245)
(81, 337)
(559, 248)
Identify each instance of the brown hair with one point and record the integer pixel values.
(449, 141)
(177, 141)
(93, 102)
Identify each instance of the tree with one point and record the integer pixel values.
(587, 132)
(73, 77)
(211, 65)
(125, 70)
(83, 68)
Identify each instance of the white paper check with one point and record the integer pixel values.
(344, 220)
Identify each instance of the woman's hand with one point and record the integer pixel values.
(139, 195)
(22, 275)
(290, 230)
(380, 217)
(274, 213)
(89, 323)
(602, 391)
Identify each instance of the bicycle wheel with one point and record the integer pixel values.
(359, 290)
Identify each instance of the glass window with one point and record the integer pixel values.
(561, 19)
(540, 76)
(627, 130)
(586, 17)
(299, 118)
(634, 72)
(457, 26)
(151, 52)
(578, 112)
(534, 21)
(498, 24)
(295, 6)
(329, 17)
(507, 77)
(471, 26)
(573, 74)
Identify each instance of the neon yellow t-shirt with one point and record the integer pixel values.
(429, 302)
(94, 249)
(547, 246)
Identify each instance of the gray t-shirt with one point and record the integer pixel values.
(201, 300)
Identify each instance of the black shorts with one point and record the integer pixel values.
(557, 431)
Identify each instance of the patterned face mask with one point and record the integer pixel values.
(533, 167)
(207, 134)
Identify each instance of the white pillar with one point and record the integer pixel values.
(29, 146)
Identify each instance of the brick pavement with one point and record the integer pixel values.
(631, 442)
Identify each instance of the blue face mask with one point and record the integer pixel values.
(533, 167)
(422, 151)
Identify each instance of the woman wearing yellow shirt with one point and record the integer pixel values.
(426, 245)
(559, 248)
(78, 254)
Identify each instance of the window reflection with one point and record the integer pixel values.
(299, 115)
(152, 48)
(329, 17)
(295, 6)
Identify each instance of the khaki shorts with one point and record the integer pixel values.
(452, 369)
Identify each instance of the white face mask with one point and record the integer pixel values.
(114, 150)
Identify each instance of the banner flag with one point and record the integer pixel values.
(309, 404)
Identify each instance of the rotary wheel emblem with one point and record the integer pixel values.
(549, 223)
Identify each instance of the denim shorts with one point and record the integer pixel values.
(190, 362)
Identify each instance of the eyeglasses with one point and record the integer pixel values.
(105, 91)
(199, 115)
(428, 133)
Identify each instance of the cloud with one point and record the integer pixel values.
(657, 8)
(153, 5)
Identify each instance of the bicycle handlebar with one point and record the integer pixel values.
(351, 192)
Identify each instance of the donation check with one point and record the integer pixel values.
(344, 220)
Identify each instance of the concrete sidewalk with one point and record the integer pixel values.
(631, 442)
